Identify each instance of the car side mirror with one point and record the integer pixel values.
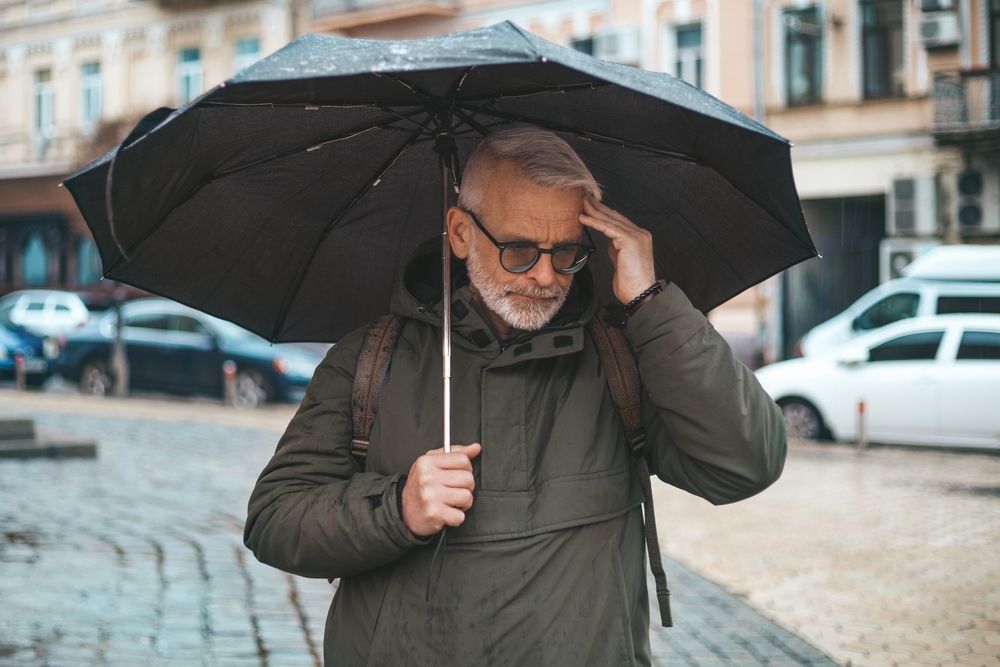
(852, 355)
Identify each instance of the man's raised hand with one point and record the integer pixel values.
(629, 246)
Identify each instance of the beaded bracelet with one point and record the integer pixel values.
(634, 304)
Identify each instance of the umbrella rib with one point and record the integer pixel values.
(307, 105)
(584, 134)
(471, 122)
(530, 92)
(304, 269)
(425, 129)
(387, 125)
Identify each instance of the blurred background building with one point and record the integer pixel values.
(893, 107)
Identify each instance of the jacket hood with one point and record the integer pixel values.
(418, 296)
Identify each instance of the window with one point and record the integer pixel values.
(968, 304)
(689, 58)
(43, 119)
(247, 53)
(803, 56)
(35, 261)
(35, 307)
(88, 263)
(882, 48)
(584, 45)
(888, 310)
(912, 347)
(188, 74)
(90, 94)
(979, 345)
(148, 321)
(187, 325)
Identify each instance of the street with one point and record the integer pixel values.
(136, 557)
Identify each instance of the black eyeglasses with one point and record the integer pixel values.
(520, 256)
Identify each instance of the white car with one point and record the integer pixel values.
(924, 381)
(45, 312)
(948, 279)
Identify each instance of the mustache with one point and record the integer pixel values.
(537, 292)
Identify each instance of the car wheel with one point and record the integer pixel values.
(802, 420)
(252, 389)
(95, 379)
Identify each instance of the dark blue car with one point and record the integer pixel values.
(176, 349)
(17, 341)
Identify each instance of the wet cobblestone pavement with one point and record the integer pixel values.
(136, 558)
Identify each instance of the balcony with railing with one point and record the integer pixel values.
(345, 14)
(967, 106)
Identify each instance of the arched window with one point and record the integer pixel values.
(35, 261)
(88, 263)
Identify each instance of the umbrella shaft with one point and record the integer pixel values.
(445, 312)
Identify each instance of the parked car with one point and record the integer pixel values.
(16, 340)
(176, 349)
(948, 279)
(928, 380)
(45, 312)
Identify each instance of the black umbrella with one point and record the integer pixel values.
(288, 198)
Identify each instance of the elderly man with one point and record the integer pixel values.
(544, 562)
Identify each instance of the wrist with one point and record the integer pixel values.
(641, 298)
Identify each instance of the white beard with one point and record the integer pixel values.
(518, 313)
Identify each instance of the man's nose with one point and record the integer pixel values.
(543, 272)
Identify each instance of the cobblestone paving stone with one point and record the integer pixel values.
(888, 557)
(136, 558)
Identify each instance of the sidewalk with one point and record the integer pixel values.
(889, 557)
(875, 559)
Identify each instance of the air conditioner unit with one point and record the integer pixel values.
(618, 44)
(895, 254)
(939, 29)
(936, 5)
(977, 202)
(912, 207)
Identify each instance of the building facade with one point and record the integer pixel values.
(893, 107)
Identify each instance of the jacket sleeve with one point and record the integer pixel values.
(313, 511)
(711, 429)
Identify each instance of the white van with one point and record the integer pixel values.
(947, 279)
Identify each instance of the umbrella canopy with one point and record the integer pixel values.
(288, 198)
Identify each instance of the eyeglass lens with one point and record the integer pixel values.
(520, 257)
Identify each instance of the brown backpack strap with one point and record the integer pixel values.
(370, 373)
(622, 375)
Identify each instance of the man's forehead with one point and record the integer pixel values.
(552, 224)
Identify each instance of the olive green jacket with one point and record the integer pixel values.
(548, 568)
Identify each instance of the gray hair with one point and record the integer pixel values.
(542, 156)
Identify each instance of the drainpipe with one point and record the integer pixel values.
(758, 60)
(768, 302)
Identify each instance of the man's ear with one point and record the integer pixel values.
(459, 232)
